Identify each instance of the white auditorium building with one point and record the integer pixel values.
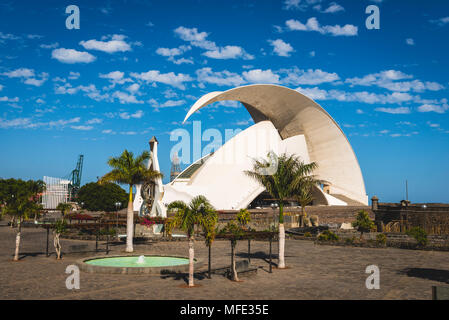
(286, 121)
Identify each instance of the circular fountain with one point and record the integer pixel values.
(135, 264)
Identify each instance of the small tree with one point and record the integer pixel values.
(243, 217)
(236, 231)
(59, 228)
(64, 208)
(419, 234)
(363, 223)
(198, 212)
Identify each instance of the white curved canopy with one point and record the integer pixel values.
(292, 113)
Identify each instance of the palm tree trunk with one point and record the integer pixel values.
(303, 215)
(235, 277)
(130, 222)
(57, 245)
(191, 260)
(281, 264)
(16, 254)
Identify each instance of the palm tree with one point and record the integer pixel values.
(198, 212)
(130, 170)
(21, 203)
(303, 185)
(280, 185)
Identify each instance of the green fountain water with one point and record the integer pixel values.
(138, 262)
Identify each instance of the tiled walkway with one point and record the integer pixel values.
(314, 272)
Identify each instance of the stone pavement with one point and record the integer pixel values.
(314, 272)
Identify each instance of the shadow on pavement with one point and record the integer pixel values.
(427, 273)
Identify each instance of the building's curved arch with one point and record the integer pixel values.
(292, 113)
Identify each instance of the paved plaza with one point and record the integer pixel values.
(314, 272)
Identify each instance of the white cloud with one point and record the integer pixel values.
(137, 115)
(433, 125)
(134, 88)
(399, 110)
(7, 99)
(174, 52)
(37, 82)
(90, 91)
(94, 121)
(297, 76)
(27, 76)
(261, 76)
(8, 36)
(113, 75)
(172, 79)
(313, 25)
(281, 48)
(116, 44)
(228, 52)
(388, 80)
(434, 108)
(167, 104)
(441, 22)
(167, 52)
(50, 46)
(410, 41)
(198, 39)
(28, 123)
(74, 75)
(299, 4)
(360, 96)
(72, 56)
(334, 8)
(81, 127)
(20, 73)
(124, 97)
(222, 78)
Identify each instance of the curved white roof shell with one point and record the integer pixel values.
(293, 114)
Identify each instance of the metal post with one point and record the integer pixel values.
(231, 269)
(96, 239)
(48, 231)
(210, 259)
(249, 251)
(271, 270)
(107, 240)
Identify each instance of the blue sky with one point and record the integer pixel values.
(134, 68)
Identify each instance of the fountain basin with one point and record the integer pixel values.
(131, 264)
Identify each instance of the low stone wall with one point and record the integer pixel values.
(262, 219)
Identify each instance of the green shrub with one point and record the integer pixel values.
(381, 239)
(419, 234)
(351, 240)
(243, 217)
(363, 223)
(327, 235)
(307, 234)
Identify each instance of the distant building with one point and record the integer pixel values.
(56, 192)
(175, 168)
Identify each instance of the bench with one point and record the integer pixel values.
(243, 269)
(440, 293)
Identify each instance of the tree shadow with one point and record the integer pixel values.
(427, 273)
(182, 276)
(259, 255)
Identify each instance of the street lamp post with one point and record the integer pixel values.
(117, 206)
(274, 206)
